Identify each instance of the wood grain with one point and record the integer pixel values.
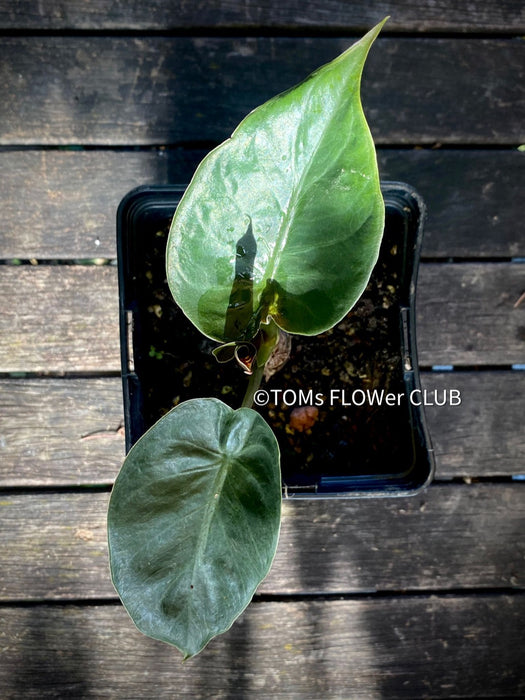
(449, 537)
(449, 16)
(65, 318)
(466, 314)
(165, 90)
(60, 431)
(74, 197)
(470, 196)
(484, 436)
(473, 198)
(66, 432)
(404, 647)
(395, 598)
(59, 319)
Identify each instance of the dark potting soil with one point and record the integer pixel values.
(320, 433)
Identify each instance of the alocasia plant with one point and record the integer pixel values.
(278, 230)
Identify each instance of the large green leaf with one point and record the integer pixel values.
(193, 521)
(284, 218)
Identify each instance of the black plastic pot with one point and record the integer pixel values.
(362, 444)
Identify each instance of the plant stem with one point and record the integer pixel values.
(253, 384)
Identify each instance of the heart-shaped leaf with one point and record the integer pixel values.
(194, 520)
(285, 218)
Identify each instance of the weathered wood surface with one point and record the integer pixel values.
(450, 537)
(448, 565)
(473, 198)
(66, 432)
(74, 196)
(162, 90)
(60, 431)
(59, 319)
(484, 436)
(467, 315)
(162, 15)
(401, 647)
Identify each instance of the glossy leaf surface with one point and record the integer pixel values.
(194, 520)
(285, 218)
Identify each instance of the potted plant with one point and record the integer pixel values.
(274, 239)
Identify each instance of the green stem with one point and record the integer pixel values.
(267, 338)
(253, 384)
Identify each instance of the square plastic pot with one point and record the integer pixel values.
(345, 407)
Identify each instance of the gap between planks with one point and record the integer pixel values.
(127, 91)
(446, 538)
(473, 198)
(68, 432)
(391, 648)
(252, 15)
(65, 318)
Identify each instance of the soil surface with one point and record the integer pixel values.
(320, 437)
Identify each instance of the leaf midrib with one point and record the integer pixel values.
(210, 509)
(295, 194)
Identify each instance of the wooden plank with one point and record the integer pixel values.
(449, 537)
(60, 431)
(59, 319)
(483, 436)
(64, 318)
(448, 16)
(159, 90)
(473, 198)
(398, 648)
(74, 198)
(467, 314)
(56, 432)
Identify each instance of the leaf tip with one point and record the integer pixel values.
(373, 33)
(364, 44)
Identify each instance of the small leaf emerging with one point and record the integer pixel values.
(285, 218)
(194, 520)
